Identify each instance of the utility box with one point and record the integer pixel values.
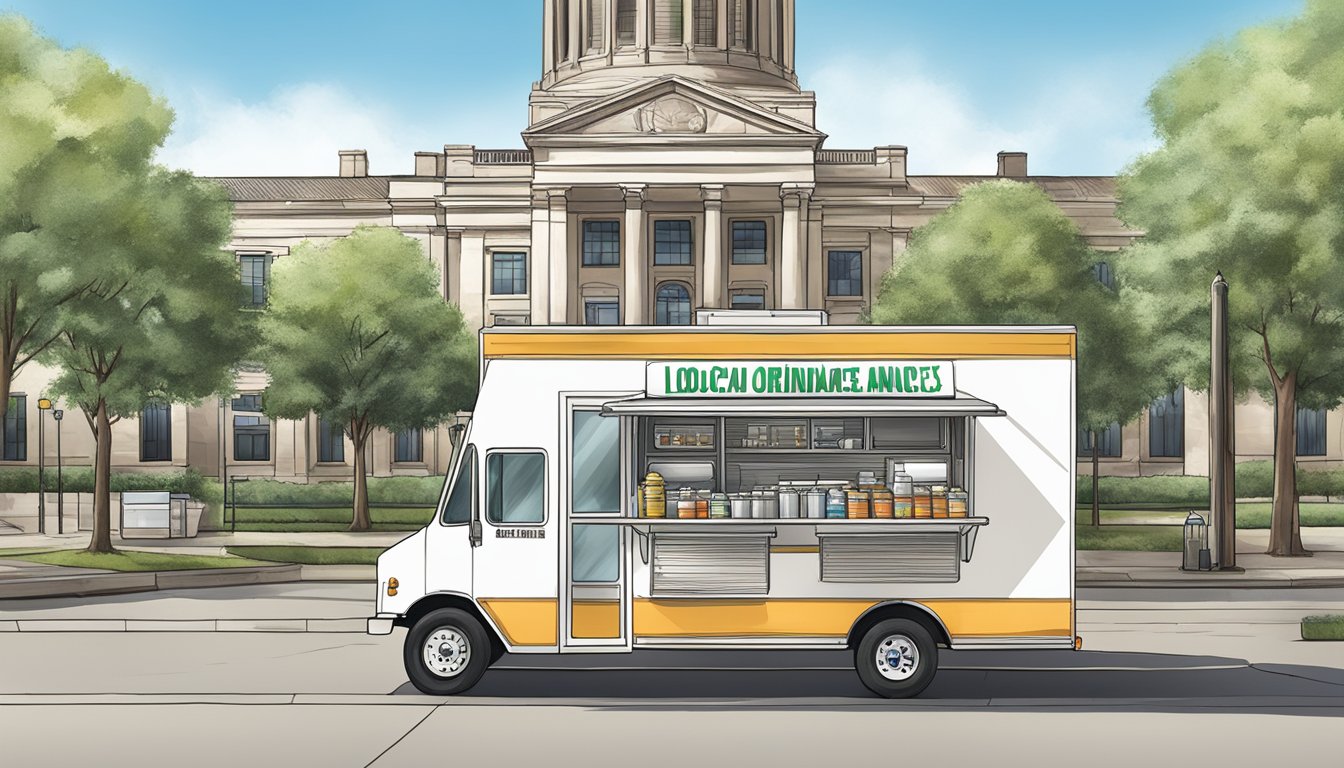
(158, 515)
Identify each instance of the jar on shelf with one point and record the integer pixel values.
(922, 502)
(856, 505)
(883, 504)
(958, 503)
(702, 505)
(718, 506)
(835, 504)
(939, 501)
(902, 495)
(655, 496)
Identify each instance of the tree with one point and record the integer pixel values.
(1249, 181)
(161, 320)
(1005, 254)
(66, 122)
(357, 332)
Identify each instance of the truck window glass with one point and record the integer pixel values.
(597, 554)
(596, 474)
(514, 483)
(458, 508)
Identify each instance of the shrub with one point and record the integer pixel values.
(1327, 627)
(384, 490)
(1255, 479)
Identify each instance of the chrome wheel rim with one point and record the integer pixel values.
(446, 652)
(897, 657)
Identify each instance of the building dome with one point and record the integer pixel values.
(607, 45)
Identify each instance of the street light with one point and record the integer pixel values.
(60, 486)
(43, 405)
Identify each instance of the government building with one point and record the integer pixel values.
(670, 162)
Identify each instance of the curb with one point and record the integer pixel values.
(87, 585)
(351, 626)
(1112, 581)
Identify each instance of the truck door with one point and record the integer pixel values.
(595, 600)
(448, 549)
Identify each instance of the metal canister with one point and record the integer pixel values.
(718, 506)
(835, 504)
(757, 505)
(771, 500)
(655, 498)
(739, 505)
(856, 505)
(790, 503)
(815, 503)
(883, 504)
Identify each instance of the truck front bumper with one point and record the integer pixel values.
(381, 624)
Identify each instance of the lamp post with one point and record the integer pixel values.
(43, 405)
(1222, 453)
(60, 486)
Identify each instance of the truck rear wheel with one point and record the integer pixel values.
(446, 652)
(896, 658)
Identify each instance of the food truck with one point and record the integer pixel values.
(768, 485)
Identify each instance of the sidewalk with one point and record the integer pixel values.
(1325, 568)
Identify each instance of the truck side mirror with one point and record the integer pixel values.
(475, 532)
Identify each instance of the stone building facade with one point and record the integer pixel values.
(671, 162)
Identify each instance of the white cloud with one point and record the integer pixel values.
(296, 131)
(1079, 123)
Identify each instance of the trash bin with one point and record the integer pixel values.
(157, 515)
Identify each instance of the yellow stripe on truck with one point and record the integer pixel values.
(595, 619)
(524, 621)
(764, 346)
(834, 618)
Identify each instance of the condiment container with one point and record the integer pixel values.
(882, 504)
(815, 503)
(789, 503)
(718, 506)
(640, 511)
(923, 502)
(902, 491)
(958, 503)
(757, 505)
(655, 496)
(939, 501)
(740, 506)
(835, 504)
(702, 505)
(856, 507)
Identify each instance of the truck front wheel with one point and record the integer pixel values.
(446, 652)
(896, 658)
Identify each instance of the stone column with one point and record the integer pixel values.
(558, 261)
(471, 278)
(539, 259)
(711, 290)
(634, 257)
(792, 274)
(452, 267)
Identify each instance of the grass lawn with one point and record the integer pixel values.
(312, 555)
(1323, 628)
(128, 560)
(327, 518)
(1134, 538)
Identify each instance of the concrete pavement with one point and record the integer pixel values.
(1325, 568)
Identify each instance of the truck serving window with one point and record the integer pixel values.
(514, 487)
(458, 508)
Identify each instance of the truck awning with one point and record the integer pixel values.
(749, 406)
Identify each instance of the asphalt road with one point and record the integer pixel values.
(1167, 677)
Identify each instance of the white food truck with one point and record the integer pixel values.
(890, 490)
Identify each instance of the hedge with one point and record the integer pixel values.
(80, 480)
(1255, 479)
(382, 490)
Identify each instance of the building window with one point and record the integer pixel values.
(509, 274)
(706, 22)
(156, 433)
(1104, 274)
(748, 242)
(1166, 425)
(603, 312)
(601, 243)
(16, 429)
(410, 446)
(511, 318)
(667, 22)
(741, 24)
(844, 273)
(1310, 431)
(1108, 441)
(753, 299)
(256, 275)
(330, 441)
(673, 305)
(597, 25)
(672, 243)
(626, 16)
(252, 432)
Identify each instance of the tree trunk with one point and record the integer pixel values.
(1096, 465)
(102, 474)
(1285, 535)
(361, 522)
(6, 378)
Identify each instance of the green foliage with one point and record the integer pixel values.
(131, 560)
(80, 480)
(75, 136)
(312, 555)
(1133, 538)
(1323, 627)
(357, 329)
(386, 490)
(1255, 479)
(412, 516)
(1314, 515)
(1005, 254)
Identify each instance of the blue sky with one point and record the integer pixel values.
(277, 88)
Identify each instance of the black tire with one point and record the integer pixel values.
(891, 632)
(448, 623)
